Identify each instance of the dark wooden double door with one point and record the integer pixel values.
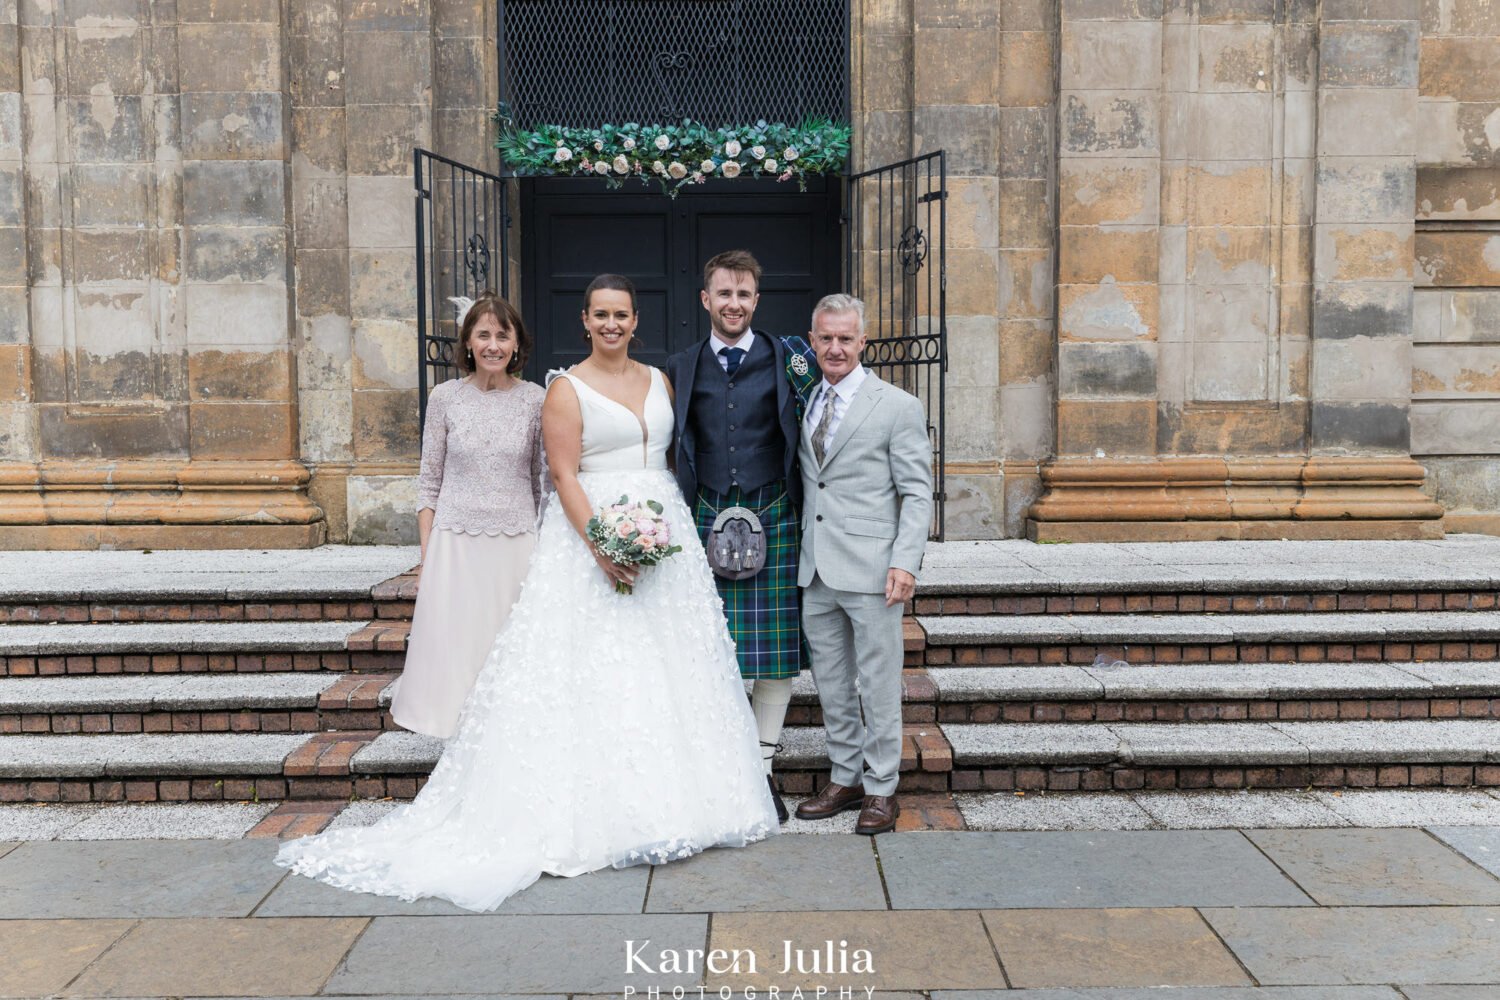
(572, 230)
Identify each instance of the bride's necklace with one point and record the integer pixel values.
(618, 374)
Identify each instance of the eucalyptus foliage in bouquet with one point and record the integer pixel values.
(675, 155)
(631, 534)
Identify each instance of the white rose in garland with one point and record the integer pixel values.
(601, 168)
(676, 170)
(658, 168)
(730, 168)
(662, 141)
(759, 152)
(598, 145)
(622, 165)
(768, 165)
(706, 167)
(563, 155)
(731, 149)
(790, 153)
(628, 143)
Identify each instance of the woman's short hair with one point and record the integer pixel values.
(610, 283)
(490, 304)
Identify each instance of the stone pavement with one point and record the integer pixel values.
(1256, 914)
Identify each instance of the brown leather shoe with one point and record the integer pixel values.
(878, 815)
(833, 799)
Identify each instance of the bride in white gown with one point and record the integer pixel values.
(605, 730)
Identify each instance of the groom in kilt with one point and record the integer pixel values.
(740, 397)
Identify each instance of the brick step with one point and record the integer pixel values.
(195, 703)
(1450, 596)
(197, 647)
(1248, 638)
(936, 758)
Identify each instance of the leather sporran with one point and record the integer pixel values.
(736, 546)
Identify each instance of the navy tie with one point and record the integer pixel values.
(732, 358)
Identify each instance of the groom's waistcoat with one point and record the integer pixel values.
(737, 436)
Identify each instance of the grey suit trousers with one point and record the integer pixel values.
(856, 647)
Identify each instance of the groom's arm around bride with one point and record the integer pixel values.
(867, 507)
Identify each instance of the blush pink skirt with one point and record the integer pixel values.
(468, 585)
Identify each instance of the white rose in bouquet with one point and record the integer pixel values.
(731, 169)
(759, 152)
(563, 155)
(731, 148)
(598, 145)
(628, 142)
(658, 167)
(601, 168)
(769, 165)
(676, 170)
(662, 141)
(622, 165)
(790, 153)
(706, 167)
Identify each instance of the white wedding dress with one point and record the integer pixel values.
(605, 730)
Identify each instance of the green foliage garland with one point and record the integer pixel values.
(675, 155)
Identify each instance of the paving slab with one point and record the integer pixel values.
(397, 752)
(1377, 868)
(40, 957)
(1031, 743)
(839, 823)
(1449, 992)
(1479, 844)
(1087, 811)
(136, 878)
(162, 692)
(176, 637)
(1111, 947)
(517, 954)
(169, 821)
(1479, 679)
(153, 755)
(610, 891)
(1231, 810)
(1235, 744)
(363, 813)
(1413, 807)
(40, 822)
(208, 957)
(787, 872)
(1397, 741)
(908, 951)
(7, 848)
(1400, 944)
(1123, 868)
(1187, 993)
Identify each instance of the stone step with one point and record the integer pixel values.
(1179, 638)
(193, 703)
(194, 647)
(940, 757)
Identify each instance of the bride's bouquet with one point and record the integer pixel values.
(632, 534)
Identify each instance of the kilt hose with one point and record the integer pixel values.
(763, 612)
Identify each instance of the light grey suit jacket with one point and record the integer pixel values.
(868, 508)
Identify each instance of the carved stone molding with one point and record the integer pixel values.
(1227, 498)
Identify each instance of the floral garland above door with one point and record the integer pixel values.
(676, 155)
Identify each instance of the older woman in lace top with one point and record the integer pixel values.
(478, 493)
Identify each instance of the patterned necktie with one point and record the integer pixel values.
(732, 358)
(825, 421)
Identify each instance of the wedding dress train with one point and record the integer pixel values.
(605, 730)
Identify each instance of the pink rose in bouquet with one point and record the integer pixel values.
(631, 534)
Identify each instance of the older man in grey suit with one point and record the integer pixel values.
(867, 507)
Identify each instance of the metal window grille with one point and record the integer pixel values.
(721, 62)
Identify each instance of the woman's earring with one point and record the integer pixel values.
(470, 357)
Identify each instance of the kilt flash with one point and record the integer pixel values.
(763, 612)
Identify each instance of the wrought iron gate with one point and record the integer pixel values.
(463, 222)
(897, 263)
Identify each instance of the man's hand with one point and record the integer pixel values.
(899, 586)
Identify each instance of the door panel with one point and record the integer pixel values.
(573, 229)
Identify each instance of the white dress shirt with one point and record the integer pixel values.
(746, 343)
(841, 393)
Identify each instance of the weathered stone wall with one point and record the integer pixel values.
(1456, 358)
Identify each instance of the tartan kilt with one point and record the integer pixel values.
(763, 612)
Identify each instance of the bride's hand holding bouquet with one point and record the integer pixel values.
(626, 536)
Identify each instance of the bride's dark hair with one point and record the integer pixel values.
(609, 282)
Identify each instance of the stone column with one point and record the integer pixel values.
(17, 430)
(160, 407)
(956, 107)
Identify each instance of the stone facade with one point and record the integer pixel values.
(1215, 268)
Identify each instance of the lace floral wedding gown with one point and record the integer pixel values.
(605, 729)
